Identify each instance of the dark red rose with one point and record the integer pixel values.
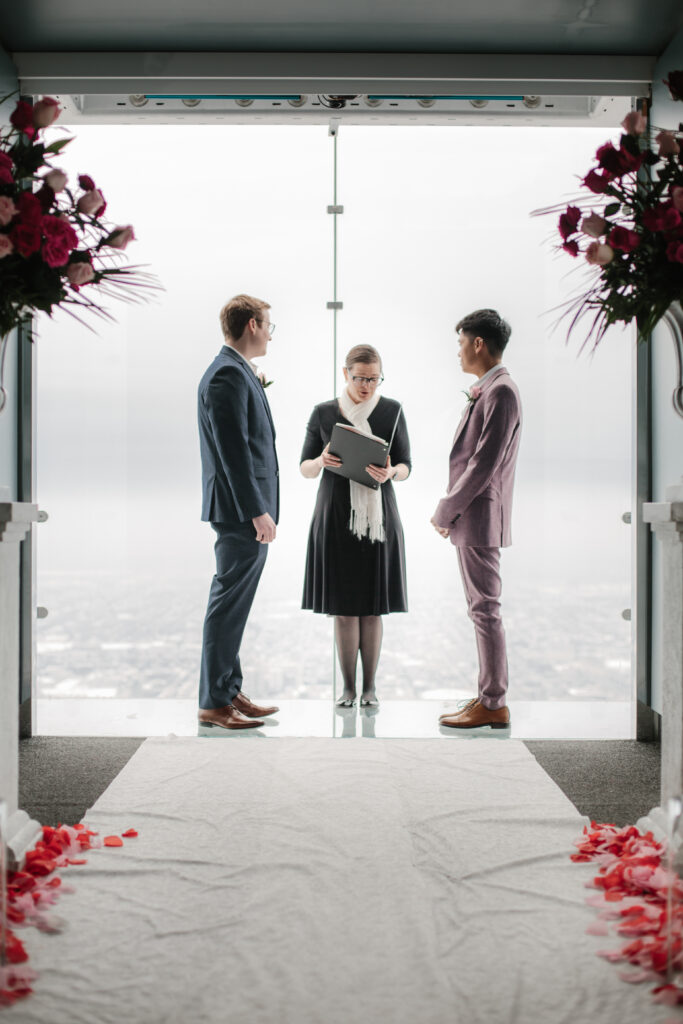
(675, 84)
(597, 183)
(617, 162)
(622, 238)
(46, 197)
(30, 210)
(86, 182)
(674, 251)
(60, 239)
(572, 248)
(6, 161)
(569, 221)
(22, 118)
(663, 217)
(6, 176)
(26, 238)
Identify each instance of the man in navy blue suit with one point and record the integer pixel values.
(241, 501)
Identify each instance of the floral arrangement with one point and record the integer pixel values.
(55, 247)
(632, 222)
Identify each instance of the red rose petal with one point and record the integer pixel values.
(129, 834)
(112, 841)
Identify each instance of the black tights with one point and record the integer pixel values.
(354, 633)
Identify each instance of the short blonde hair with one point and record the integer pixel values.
(236, 314)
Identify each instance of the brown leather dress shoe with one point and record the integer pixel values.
(248, 708)
(462, 706)
(474, 714)
(227, 717)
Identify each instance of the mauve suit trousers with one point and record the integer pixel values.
(480, 571)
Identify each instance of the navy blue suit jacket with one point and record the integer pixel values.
(237, 442)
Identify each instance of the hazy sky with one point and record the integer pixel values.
(436, 224)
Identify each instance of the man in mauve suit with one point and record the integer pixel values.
(476, 512)
(241, 501)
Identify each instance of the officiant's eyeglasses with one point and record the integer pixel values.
(271, 327)
(372, 382)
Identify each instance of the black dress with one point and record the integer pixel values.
(346, 575)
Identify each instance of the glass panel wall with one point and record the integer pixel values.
(436, 224)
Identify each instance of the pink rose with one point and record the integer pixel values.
(595, 225)
(677, 197)
(634, 123)
(600, 255)
(56, 180)
(7, 210)
(46, 112)
(6, 246)
(60, 239)
(80, 273)
(475, 392)
(90, 202)
(120, 237)
(668, 146)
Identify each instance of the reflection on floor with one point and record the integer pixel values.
(570, 720)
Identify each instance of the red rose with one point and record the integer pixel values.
(6, 161)
(571, 247)
(86, 182)
(674, 251)
(569, 221)
(60, 239)
(22, 118)
(662, 217)
(597, 183)
(622, 238)
(30, 209)
(6, 176)
(26, 238)
(617, 162)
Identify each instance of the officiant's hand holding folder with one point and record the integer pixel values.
(358, 450)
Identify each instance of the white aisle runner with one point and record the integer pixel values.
(321, 881)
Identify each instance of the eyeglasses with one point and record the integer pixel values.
(372, 382)
(271, 327)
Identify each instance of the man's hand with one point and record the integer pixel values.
(439, 529)
(265, 528)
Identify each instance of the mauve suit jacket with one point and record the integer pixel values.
(478, 507)
(240, 478)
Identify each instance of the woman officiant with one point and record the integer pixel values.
(355, 563)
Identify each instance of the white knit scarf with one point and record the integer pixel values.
(367, 517)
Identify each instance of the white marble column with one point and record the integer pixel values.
(15, 522)
(666, 520)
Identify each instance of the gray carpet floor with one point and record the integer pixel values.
(610, 781)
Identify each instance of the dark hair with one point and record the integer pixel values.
(489, 325)
(363, 354)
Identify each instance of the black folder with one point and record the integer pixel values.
(357, 450)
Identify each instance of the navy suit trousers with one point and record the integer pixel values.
(239, 564)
